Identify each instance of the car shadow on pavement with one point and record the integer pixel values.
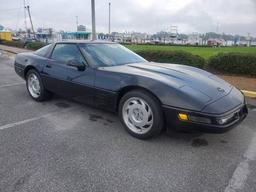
(110, 120)
(96, 114)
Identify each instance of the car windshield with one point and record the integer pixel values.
(109, 54)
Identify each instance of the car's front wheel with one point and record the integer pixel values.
(35, 86)
(141, 114)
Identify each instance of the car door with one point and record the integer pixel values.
(67, 73)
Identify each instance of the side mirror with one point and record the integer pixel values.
(77, 64)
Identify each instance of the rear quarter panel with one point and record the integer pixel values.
(25, 60)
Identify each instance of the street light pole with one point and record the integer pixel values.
(76, 23)
(93, 20)
(25, 19)
(32, 27)
(109, 4)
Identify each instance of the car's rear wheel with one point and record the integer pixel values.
(141, 114)
(35, 86)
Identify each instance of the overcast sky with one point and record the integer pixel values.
(229, 16)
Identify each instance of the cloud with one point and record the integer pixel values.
(229, 16)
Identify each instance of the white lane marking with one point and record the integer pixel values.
(12, 84)
(250, 153)
(242, 171)
(10, 125)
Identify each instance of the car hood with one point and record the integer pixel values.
(189, 77)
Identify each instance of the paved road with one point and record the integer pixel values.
(64, 146)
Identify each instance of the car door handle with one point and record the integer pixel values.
(48, 66)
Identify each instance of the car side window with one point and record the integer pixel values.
(42, 52)
(66, 52)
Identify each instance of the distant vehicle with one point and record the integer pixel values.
(15, 38)
(29, 40)
(146, 95)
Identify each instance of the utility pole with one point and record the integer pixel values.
(249, 40)
(76, 23)
(109, 5)
(32, 27)
(25, 18)
(217, 27)
(93, 20)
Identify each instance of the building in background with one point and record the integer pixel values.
(217, 42)
(194, 39)
(170, 37)
(79, 35)
(45, 35)
(81, 28)
(5, 34)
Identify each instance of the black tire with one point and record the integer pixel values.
(44, 94)
(153, 103)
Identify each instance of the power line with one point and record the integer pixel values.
(76, 23)
(11, 9)
(18, 19)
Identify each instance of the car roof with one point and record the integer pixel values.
(86, 42)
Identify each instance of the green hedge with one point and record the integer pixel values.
(35, 45)
(233, 63)
(179, 57)
(19, 44)
(165, 44)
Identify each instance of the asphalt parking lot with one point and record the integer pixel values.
(60, 145)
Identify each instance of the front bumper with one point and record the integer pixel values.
(237, 115)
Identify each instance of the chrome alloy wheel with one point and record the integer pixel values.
(137, 115)
(33, 85)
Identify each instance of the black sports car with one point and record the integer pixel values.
(146, 95)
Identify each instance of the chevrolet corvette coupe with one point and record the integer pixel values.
(148, 96)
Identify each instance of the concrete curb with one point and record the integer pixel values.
(251, 94)
(13, 52)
